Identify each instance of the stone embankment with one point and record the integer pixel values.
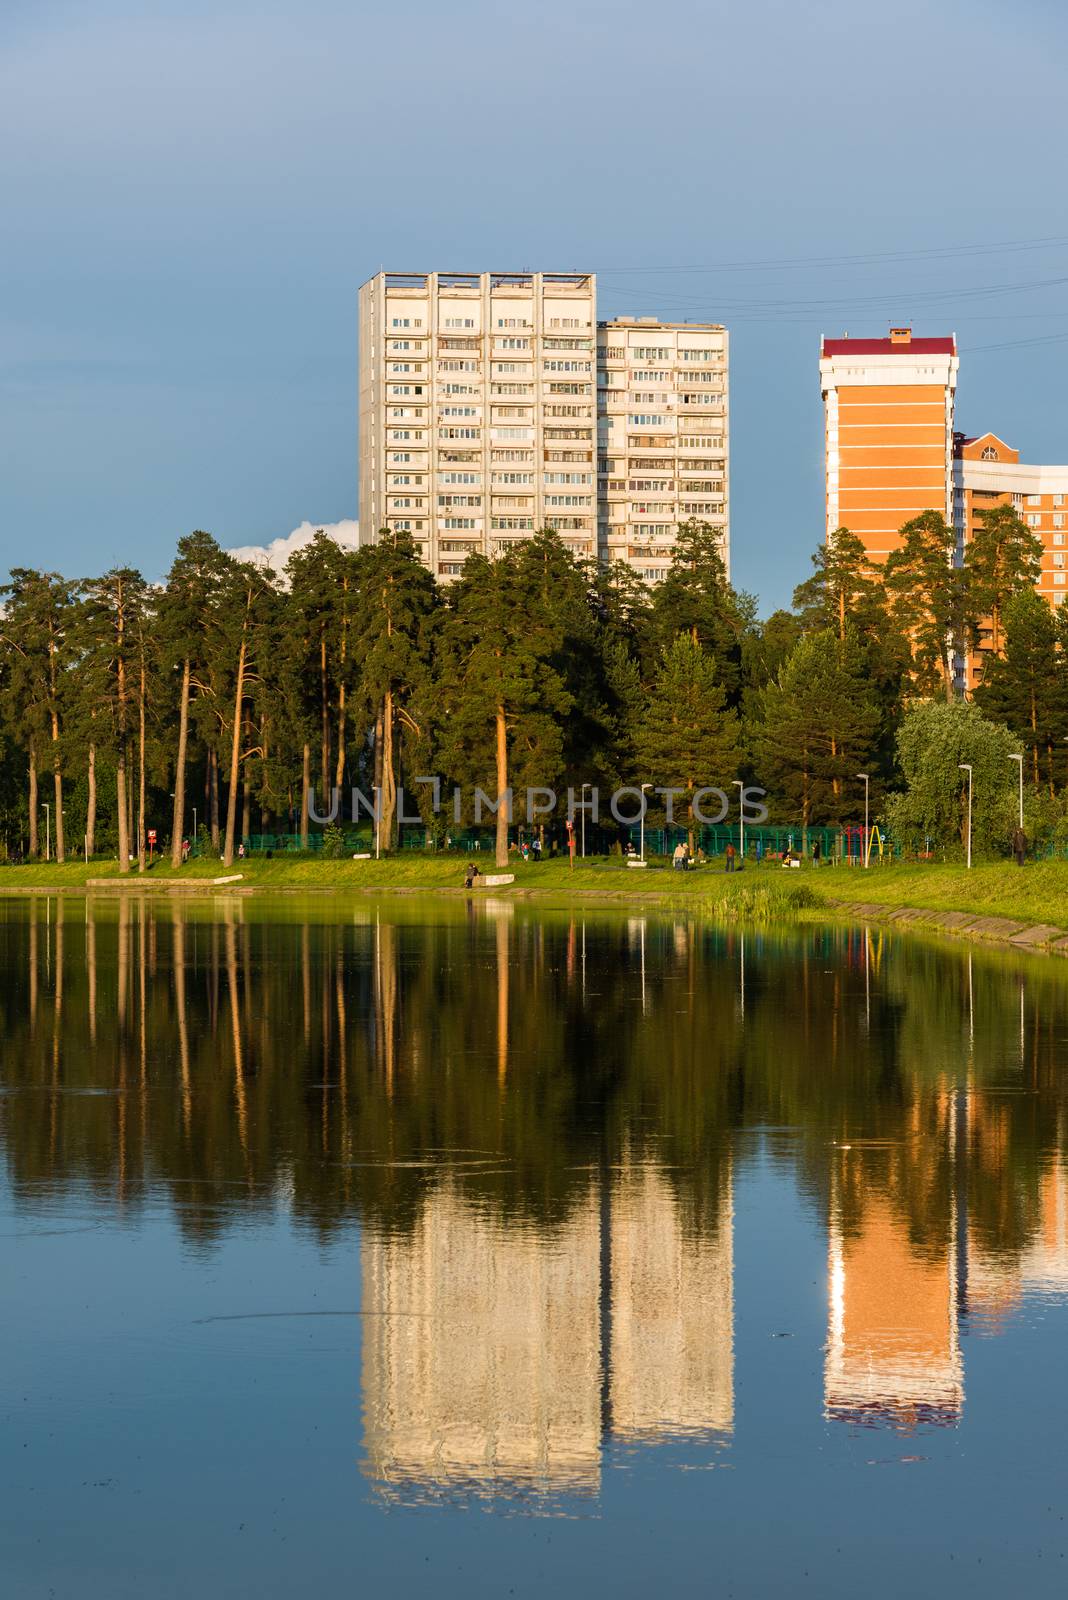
(1040, 936)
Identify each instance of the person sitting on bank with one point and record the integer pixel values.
(471, 872)
(787, 857)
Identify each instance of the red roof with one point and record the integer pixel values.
(889, 347)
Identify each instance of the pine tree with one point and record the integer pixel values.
(249, 641)
(1003, 557)
(688, 739)
(696, 598)
(503, 700)
(819, 728)
(844, 589)
(1025, 686)
(34, 634)
(929, 600)
(108, 635)
(188, 619)
(394, 606)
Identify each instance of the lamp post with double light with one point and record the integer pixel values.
(585, 786)
(738, 784)
(867, 787)
(641, 836)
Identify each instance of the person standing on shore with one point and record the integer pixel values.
(1019, 845)
(730, 857)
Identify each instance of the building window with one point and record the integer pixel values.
(989, 454)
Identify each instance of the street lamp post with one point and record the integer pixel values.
(585, 786)
(867, 787)
(965, 766)
(738, 784)
(641, 851)
(1019, 760)
(48, 830)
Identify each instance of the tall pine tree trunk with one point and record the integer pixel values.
(121, 800)
(178, 814)
(388, 797)
(142, 862)
(120, 805)
(305, 786)
(339, 770)
(502, 785)
(235, 759)
(378, 778)
(213, 798)
(58, 782)
(246, 803)
(324, 719)
(90, 810)
(35, 848)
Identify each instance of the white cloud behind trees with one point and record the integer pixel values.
(278, 551)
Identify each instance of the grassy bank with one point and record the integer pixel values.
(1036, 893)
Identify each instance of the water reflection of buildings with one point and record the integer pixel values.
(498, 1357)
(997, 1286)
(893, 1351)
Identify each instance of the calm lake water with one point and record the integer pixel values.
(413, 1247)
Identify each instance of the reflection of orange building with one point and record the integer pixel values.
(893, 1354)
(888, 407)
(997, 1288)
(1045, 1263)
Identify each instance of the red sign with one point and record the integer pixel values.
(151, 835)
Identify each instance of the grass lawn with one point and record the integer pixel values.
(1035, 893)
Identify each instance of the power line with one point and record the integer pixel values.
(940, 253)
(844, 302)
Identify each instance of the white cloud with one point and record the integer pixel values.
(277, 553)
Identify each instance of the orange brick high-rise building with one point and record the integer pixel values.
(888, 406)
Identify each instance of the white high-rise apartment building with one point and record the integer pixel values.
(663, 437)
(476, 396)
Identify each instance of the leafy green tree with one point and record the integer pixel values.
(819, 728)
(933, 740)
(689, 739)
(929, 600)
(1003, 558)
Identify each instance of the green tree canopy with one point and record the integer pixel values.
(933, 740)
(819, 730)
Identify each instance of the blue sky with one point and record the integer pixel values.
(192, 193)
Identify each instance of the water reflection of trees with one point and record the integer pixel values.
(338, 1064)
